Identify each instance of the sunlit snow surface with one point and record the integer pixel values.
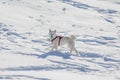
(25, 46)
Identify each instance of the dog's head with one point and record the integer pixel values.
(52, 33)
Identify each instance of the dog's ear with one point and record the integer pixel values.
(49, 30)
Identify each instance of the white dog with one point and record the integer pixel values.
(60, 40)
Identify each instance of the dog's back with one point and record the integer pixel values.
(70, 41)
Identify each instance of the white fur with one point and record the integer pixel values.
(70, 41)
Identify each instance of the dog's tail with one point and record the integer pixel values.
(73, 37)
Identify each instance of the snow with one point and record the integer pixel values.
(25, 46)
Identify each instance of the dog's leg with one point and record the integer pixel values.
(76, 51)
(73, 49)
(52, 48)
(55, 48)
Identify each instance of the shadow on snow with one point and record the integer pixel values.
(56, 53)
(20, 77)
(90, 55)
(86, 6)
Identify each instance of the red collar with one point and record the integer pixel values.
(59, 37)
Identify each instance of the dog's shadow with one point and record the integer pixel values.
(55, 53)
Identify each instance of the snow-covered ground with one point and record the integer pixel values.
(25, 46)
